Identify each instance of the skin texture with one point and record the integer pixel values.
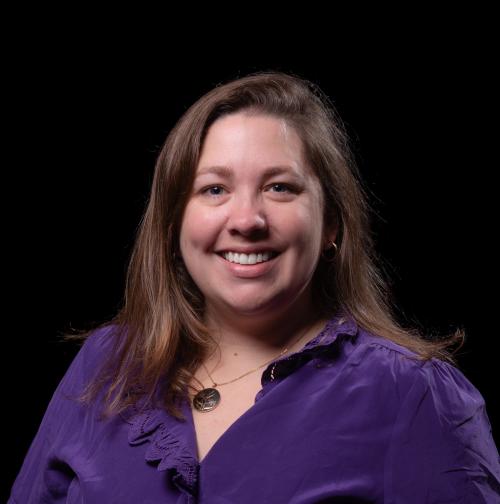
(255, 316)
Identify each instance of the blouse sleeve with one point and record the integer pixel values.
(442, 449)
(44, 476)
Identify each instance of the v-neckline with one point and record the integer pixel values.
(322, 334)
(194, 435)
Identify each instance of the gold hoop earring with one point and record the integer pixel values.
(330, 258)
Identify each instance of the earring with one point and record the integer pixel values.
(176, 256)
(331, 258)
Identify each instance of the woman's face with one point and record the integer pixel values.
(242, 206)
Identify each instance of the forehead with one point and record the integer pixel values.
(251, 143)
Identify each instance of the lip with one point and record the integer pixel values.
(247, 251)
(248, 270)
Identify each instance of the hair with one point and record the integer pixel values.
(160, 335)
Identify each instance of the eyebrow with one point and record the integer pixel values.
(225, 171)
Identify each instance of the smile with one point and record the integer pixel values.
(254, 258)
(249, 270)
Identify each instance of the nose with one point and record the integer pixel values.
(247, 217)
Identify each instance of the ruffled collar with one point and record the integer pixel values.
(169, 442)
(342, 323)
(172, 442)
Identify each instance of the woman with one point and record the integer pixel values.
(257, 357)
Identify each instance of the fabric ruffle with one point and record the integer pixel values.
(342, 323)
(167, 437)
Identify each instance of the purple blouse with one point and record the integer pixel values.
(350, 418)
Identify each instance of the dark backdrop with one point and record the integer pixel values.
(88, 121)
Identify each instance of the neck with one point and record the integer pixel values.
(259, 338)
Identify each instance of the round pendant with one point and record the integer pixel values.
(206, 399)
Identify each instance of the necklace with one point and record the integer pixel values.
(209, 398)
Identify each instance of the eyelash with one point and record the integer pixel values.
(290, 189)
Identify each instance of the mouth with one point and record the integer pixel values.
(250, 271)
(248, 259)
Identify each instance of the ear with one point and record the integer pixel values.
(330, 234)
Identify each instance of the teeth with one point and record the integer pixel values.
(247, 258)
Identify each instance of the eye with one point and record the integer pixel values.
(217, 187)
(288, 188)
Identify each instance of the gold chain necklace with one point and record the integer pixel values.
(209, 398)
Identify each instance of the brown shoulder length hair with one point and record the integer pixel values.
(160, 328)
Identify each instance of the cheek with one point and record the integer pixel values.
(304, 225)
(306, 235)
(198, 227)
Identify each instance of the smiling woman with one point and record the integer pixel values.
(255, 253)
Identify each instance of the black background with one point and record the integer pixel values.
(89, 109)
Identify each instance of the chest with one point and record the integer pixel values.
(235, 400)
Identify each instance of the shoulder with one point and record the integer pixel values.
(445, 387)
(97, 345)
(99, 339)
(95, 350)
(441, 428)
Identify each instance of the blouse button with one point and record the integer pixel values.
(272, 372)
